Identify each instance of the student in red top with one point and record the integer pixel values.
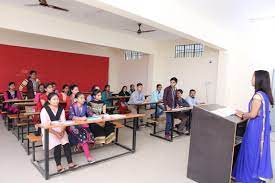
(64, 97)
(44, 97)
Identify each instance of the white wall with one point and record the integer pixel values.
(192, 73)
(121, 72)
(251, 50)
(249, 45)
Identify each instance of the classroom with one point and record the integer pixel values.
(137, 91)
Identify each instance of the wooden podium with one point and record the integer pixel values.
(214, 145)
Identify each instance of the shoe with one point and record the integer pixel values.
(91, 160)
(110, 138)
(61, 170)
(168, 136)
(73, 167)
(187, 133)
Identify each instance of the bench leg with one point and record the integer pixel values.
(22, 134)
(33, 151)
(28, 146)
(18, 133)
(155, 126)
(117, 130)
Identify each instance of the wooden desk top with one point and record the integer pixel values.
(211, 107)
(112, 118)
(181, 109)
(35, 113)
(18, 101)
(25, 104)
(146, 103)
(119, 97)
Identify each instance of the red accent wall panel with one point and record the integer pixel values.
(60, 67)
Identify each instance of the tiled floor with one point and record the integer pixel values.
(155, 161)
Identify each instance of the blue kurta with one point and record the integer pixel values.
(253, 164)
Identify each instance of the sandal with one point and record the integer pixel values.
(61, 170)
(73, 167)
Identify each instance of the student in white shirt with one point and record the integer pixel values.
(191, 99)
(157, 96)
(137, 97)
(57, 136)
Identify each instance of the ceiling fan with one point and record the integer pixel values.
(139, 31)
(44, 3)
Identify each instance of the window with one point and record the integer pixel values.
(132, 55)
(189, 50)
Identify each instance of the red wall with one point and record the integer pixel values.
(60, 67)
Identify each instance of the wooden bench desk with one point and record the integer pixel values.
(45, 171)
(173, 111)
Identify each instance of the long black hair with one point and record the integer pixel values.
(64, 86)
(262, 83)
(121, 91)
(49, 97)
(105, 87)
(71, 88)
(95, 92)
(31, 72)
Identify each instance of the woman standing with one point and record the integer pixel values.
(253, 164)
(31, 83)
(57, 136)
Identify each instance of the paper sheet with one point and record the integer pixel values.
(224, 112)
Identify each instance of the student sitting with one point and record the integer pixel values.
(65, 92)
(72, 92)
(132, 89)
(157, 96)
(123, 92)
(137, 97)
(12, 94)
(191, 99)
(122, 103)
(80, 135)
(43, 98)
(90, 97)
(64, 98)
(103, 134)
(57, 136)
(106, 94)
(54, 87)
(184, 125)
(41, 90)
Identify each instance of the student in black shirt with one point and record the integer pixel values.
(184, 125)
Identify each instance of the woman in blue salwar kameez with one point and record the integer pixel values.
(253, 164)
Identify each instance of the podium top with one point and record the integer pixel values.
(212, 107)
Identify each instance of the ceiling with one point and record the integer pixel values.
(86, 14)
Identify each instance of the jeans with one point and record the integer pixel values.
(160, 109)
(168, 123)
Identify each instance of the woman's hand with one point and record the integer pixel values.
(239, 113)
(84, 118)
